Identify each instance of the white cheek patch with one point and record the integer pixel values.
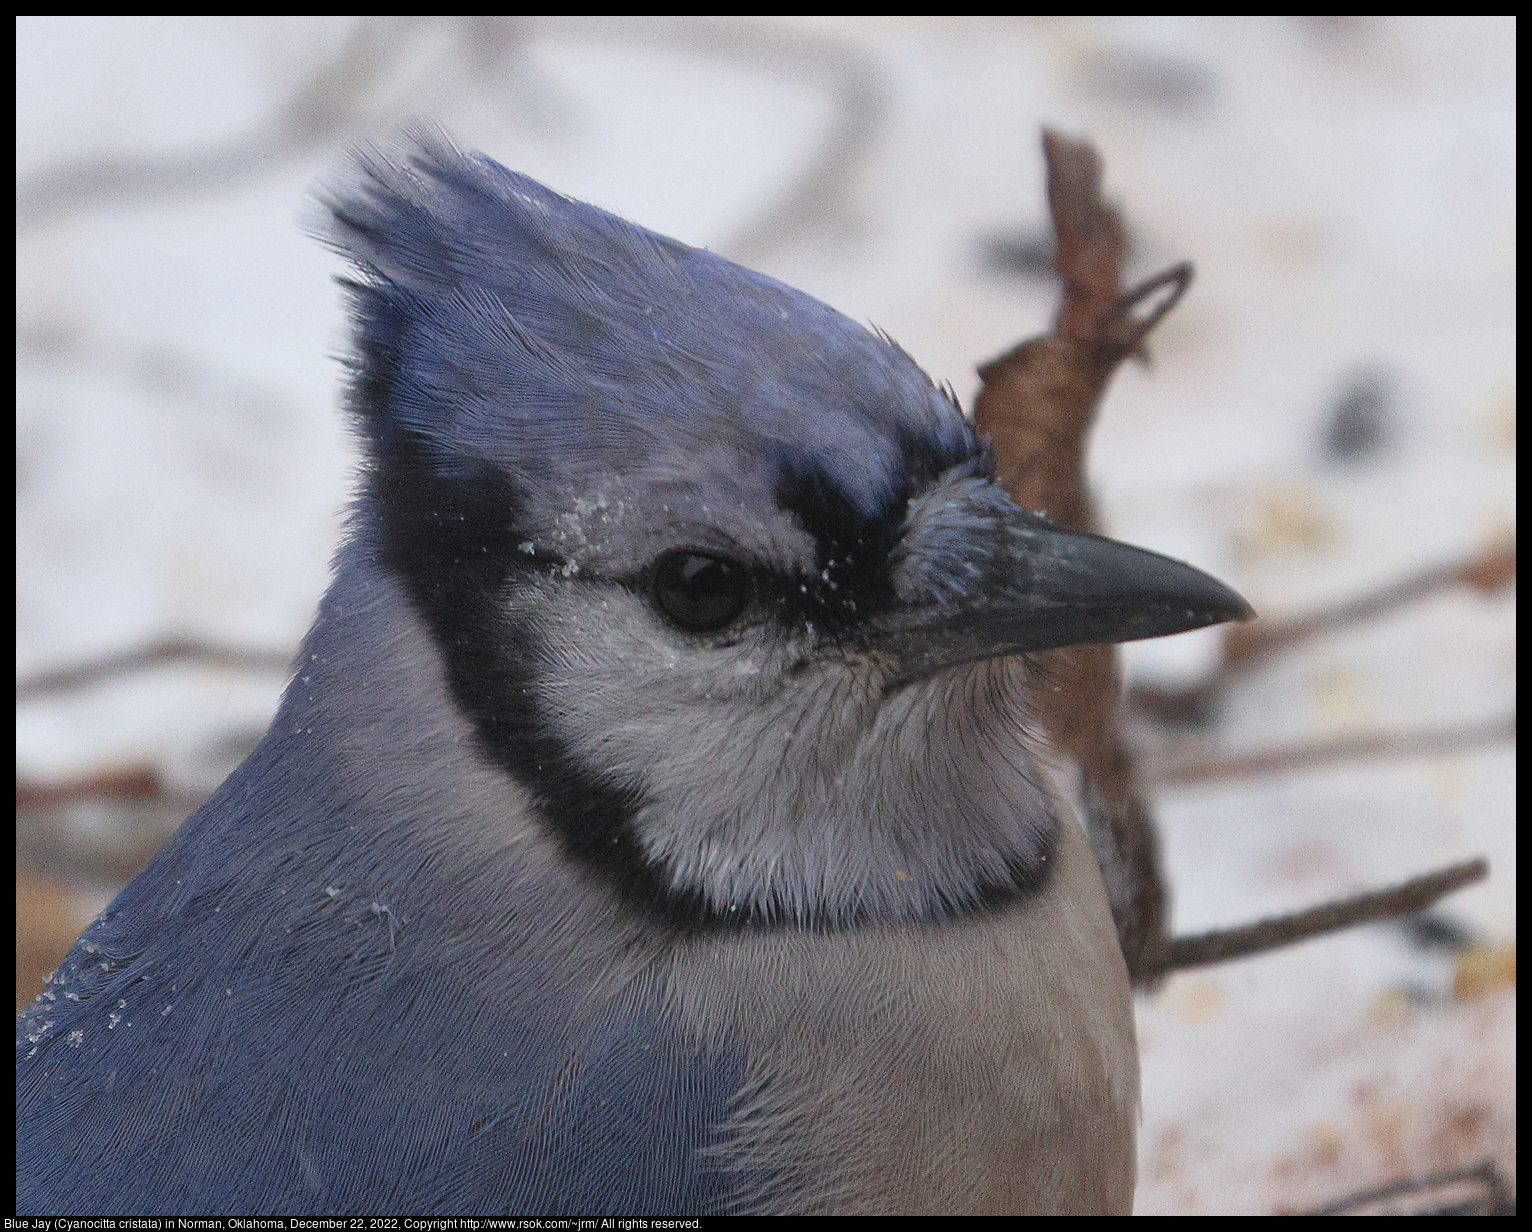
(781, 789)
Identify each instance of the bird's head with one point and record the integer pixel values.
(716, 573)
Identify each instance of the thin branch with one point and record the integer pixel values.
(329, 103)
(1037, 403)
(1136, 314)
(1411, 896)
(856, 83)
(130, 783)
(1492, 1199)
(1487, 572)
(1335, 750)
(110, 667)
(1091, 238)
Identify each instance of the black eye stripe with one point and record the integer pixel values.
(698, 592)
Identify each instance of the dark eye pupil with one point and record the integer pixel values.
(700, 593)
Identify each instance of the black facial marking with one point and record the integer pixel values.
(451, 537)
(1024, 876)
(854, 549)
(851, 579)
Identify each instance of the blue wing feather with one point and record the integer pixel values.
(331, 1072)
(319, 997)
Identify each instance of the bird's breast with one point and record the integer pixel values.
(984, 1065)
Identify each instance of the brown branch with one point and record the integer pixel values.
(144, 810)
(1091, 239)
(1492, 1196)
(109, 667)
(1417, 894)
(132, 783)
(1037, 403)
(1132, 317)
(1487, 572)
(1331, 751)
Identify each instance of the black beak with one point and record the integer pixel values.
(1043, 588)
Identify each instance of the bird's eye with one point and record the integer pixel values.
(698, 593)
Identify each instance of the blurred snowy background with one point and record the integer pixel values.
(1331, 408)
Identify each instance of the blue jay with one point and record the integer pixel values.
(650, 825)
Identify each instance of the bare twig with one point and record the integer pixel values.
(329, 103)
(1037, 403)
(1331, 751)
(1090, 235)
(92, 672)
(1417, 894)
(1486, 1193)
(126, 783)
(1487, 572)
(858, 88)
